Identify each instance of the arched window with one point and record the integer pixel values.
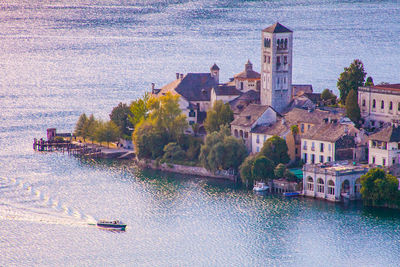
(374, 103)
(241, 133)
(310, 184)
(265, 42)
(320, 186)
(382, 104)
(390, 105)
(236, 133)
(331, 187)
(278, 43)
(357, 186)
(285, 43)
(363, 102)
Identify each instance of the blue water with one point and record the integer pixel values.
(59, 59)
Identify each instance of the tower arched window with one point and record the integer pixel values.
(374, 103)
(278, 43)
(363, 102)
(382, 104)
(390, 105)
(265, 42)
(286, 43)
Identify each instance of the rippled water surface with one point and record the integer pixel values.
(61, 58)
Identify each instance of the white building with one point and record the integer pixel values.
(276, 67)
(333, 181)
(330, 141)
(247, 79)
(380, 104)
(384, 147)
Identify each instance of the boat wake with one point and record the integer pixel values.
(20, 201)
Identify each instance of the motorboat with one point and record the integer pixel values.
(260, 186)
(112, 225)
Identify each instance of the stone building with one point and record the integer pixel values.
(333, 181)
(384, 147)
(380, 104)
(330, 141)
(247, 79)
(276, 67)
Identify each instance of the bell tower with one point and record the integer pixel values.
(276, 66)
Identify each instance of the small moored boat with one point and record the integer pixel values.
(291, 194)
(260, 186)
(112, 225)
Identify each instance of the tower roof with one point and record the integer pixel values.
(277, 28)
(214, 67)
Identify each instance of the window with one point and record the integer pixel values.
(267, 42)
(308, 127)
(265, 138)
(373, 103)
(383, 162)
(372, 123)
(321, 159)
(329, 147)
(278, 60)
(393, 160)
(312, 146)
(382, 104)
(320, 185)
(329, 159)
(265, 58)
(305, 157)
(398, 106)
(258, 139)
(321, 147)
(373, 160)
(390, 105)
(331, 187)
(191, 122)
(363, 102)
(285, 60)
(296, 151)
(310, 184)
(246, 135)
(268, 59)
(302, 128)
(312, 158)
(305, 145)
(241, 85)
(258, 149)
(192, 113)
(286, 43)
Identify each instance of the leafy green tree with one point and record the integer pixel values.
(328, 97)
(219, 114)
(351, 78)
(294, 129)
(263, 169)
(120, 116)
(172, 152)
(149, 142)
(352, 109)
(139, 109)
(280, 170)
(379, 188)
(91, 127)
(166, 115)
(107, 132)
(80, 127)
(222, 151)
(275, 148)
(369, 81)
(246, 171)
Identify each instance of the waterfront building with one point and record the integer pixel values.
(225, 93)
(332, 141)
(276, 67)
(303, 118)
(195, 92)
(249, 118)
(384, 147)
(379, 104)
(247, 79)
(333, 181)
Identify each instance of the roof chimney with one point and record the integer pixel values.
(181, 76)
(152, 87)
(177, 75)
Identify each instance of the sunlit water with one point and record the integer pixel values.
(60, 59)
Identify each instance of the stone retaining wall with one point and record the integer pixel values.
(183, 169)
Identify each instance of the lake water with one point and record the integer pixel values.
(61, 58)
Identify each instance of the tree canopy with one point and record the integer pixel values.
(222, 151)
(120, 116)
(369, 81)
(139, 109)
(351, 78)
(263, 169)
(219, 114)
(80, 127)
(275, 148)
(107, 132)
(352, 108)
(379, 188)
(328, 96)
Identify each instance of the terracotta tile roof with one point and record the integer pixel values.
(393, 87)
(241, 102)
(277, 128)
(330, 132)
(226, 90)
(193, 86)
(276, 28)
(387, 134)
(249, 115)
(298, 88)
(248, 74)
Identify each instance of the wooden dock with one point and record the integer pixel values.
(66, 146)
